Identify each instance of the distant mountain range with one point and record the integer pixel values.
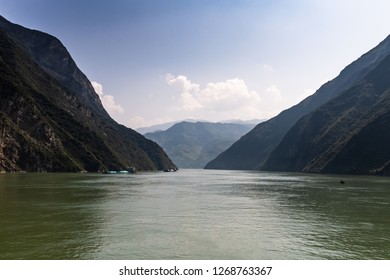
(342, 128)
(165, 126)
(193, 144)
(52, 120)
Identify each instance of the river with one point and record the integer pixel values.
(194, 214)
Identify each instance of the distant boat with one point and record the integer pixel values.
(170, 170)
(117, 172)
(130, 170)
(342, 182)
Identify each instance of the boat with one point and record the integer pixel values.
(131, 170)
(170, 170)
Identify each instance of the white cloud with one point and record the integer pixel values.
(98, 88)
(274, 94)
(183, 82)
(221, 100)
(107, 100)
(268, 67)
(188, 89)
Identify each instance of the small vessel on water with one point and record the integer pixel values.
(130, 170)
(117, 172)
(342, 181)
(170, 170)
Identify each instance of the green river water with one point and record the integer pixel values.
(194, 214)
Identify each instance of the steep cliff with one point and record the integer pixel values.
(253, 149)
(349, 134)
(50, 117)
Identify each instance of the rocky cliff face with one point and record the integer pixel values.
(253, 149)
(349, 134)
(50, 117)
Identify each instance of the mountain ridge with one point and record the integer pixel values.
(52, 56)
(193, 144)
(50, 122)
(165, 126)
(335, 138)
(254, 148)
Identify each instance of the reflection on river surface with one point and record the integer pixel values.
(194, 214)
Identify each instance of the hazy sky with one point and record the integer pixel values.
(154, 61)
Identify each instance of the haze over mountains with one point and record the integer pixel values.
(51, 119)
(194, 144)
(165, 126)
(342, 128)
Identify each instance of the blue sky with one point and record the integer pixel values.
(160, 61)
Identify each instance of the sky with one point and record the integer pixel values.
(157, 61)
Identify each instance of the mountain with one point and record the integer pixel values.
(349, 134)
(165, 126)
(237, 121)
(162, 126)
(52, 120)
(192, 145)
(154, 128)
(253, 149)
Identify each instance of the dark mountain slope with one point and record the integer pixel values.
(49, 53)
(349, 134)
(49, 123)
(253, 149)
(192, 145)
